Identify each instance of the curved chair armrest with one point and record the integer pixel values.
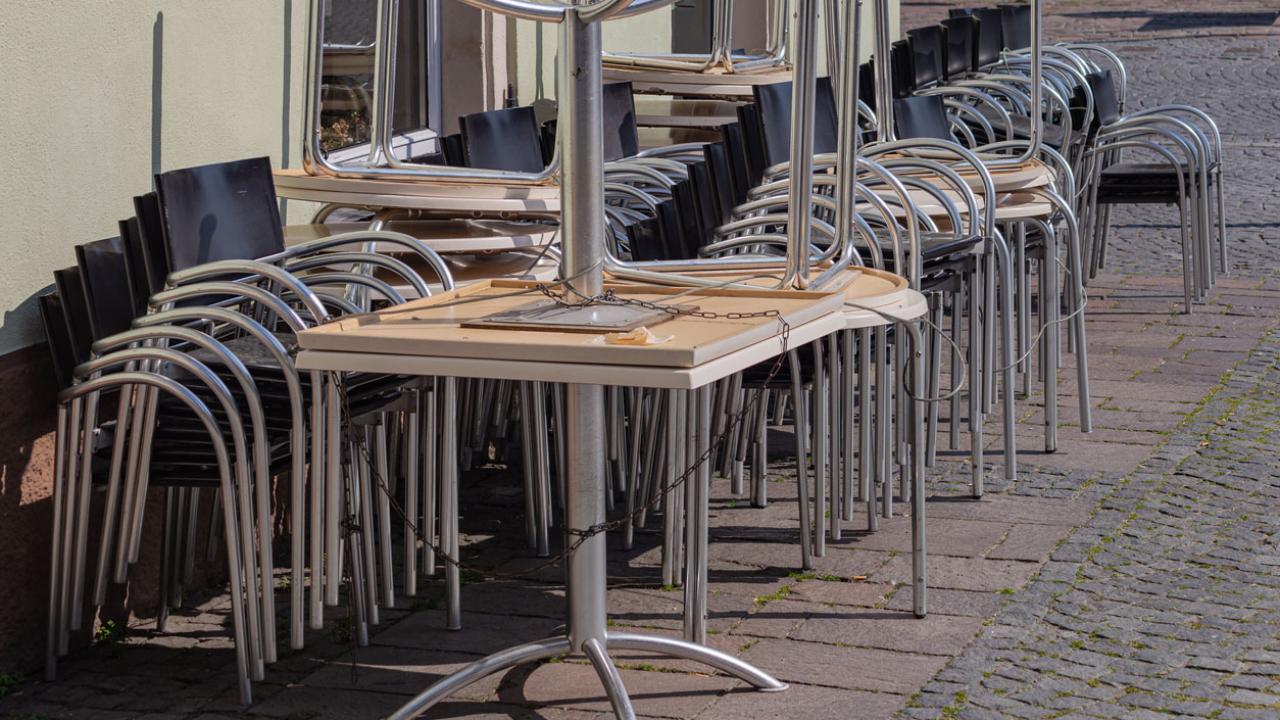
(672, 150)
(394, 265)
(250, 270)
(1176, 109)
(359, 280)
(235, 292)
(408, 242)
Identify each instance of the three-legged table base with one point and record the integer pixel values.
(596, 652)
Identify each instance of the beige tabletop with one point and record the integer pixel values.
(871, 297)
(425, 337)
(453, 199)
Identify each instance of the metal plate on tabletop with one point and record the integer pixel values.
(550, 315)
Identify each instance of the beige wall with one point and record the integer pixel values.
(99, 95)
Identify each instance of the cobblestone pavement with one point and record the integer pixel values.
(1166, 603)
(1128, 574)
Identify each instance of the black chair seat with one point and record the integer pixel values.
(1051, 134)
(1139, 182)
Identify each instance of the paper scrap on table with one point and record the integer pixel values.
(639, 336)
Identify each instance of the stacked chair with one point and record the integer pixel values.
(173, 344)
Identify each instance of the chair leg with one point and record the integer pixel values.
(800, 425)
(866, 423)
(821, 416)
(760, 464)
(935, 379)
(54, 622)
(975, 382)
(429, 471)
(1222, 222)
(112, 503)
(382, 493)
(541, 466)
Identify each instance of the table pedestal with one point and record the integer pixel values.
(586, 582)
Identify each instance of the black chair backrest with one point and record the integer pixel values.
(105, 273)
(990, 36)
(150, 226)
(922, 116)
(735, 150)
(645, 239)
(720, 171)
(752, 137)
(688, 218)
(1106, 102)
(506, 139)
(548, 135)
(135, 265)
(61, 354)
(224, 211)
(75, 309)
(702, 179)
(621, 140)
(1015, 22)
(960, 56)
(902, 65)
(774, 104)
(867, 83)
(928, 54)
(960, 12)
(453, 150)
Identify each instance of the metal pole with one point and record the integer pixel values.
(884, 74)
(435, 70)
(802, 111)
(582, 217)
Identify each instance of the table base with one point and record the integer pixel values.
(596, 652)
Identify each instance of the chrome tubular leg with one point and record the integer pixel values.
(760, 464)
(412, 486)
(918, 577)
(112, 505)
(54, 627)
(695, 620)
(479, 670)
(848, 428)
(1050, 299)
(610, 679)
(671, 523)
(698, 653)
(934, 389)
(449, 503)
(866, 480)
(333, 502)
(800, 424)
(381, 490)
(541, 464)
(884, 422)
(818, 433)
(835, 380)
(1006, 363)
(316, 474)
(957, 311)
(975, 383)
(430, 472)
